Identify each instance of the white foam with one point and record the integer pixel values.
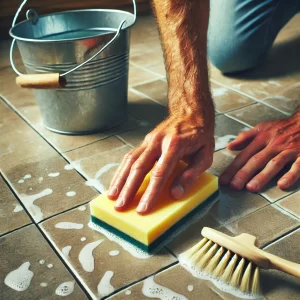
(43, 284)
(221, 91)
(114, 253)
(274, 83)
(81, 208)
(190, 288)
(18, 208)
(104, 287)
(30, 189)
(53, 174)
(27, 176)
(86, 257)
(221, 142)
(217, 282)
(69, 225)
(66, 250)
(42, 261)
(50, 266)
(40, 179)
(65, 289)
(83, 239)
(128, 292)
(20, 278)
(21, 181)
(28, 201)
(153, 290)
(68, 167)
(71, 194)
(134, 251)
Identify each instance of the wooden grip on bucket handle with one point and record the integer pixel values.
(41, 81)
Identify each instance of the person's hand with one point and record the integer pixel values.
(266, 150)
(187, 137)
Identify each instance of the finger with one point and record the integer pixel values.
(122, 173)
(291, 177)
(273, 167)
(160, 174)
(138, 171)
(240, 160)
(243, 139)
(199, 163)
(252, 167)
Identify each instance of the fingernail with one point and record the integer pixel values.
(177, 192)
(225, 178)
(113, 191)
(142, 207)
(253, 184)
(284, 182)
(237, 183)
(119, 203)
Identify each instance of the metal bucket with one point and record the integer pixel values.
(94, 97)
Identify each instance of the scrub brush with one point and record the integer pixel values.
(234, 260)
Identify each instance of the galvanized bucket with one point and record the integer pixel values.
(80, 62)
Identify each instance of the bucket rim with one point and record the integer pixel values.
(69, 39)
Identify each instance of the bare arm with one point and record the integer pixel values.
(187, 133)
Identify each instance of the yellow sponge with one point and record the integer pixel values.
(148, 231)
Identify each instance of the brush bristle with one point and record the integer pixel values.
(222, 264)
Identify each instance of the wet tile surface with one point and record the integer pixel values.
(118, 268)
(138, 75)
(135, 137)
(12, 214)
(31, 270)
(291, 204)
(222, 159)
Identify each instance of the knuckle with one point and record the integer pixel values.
(158, 173)
(242, 174)
(276, 162)
(137, 165)
(155, 137)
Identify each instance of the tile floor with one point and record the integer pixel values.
(47, 180)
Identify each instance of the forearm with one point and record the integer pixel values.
(183, 28)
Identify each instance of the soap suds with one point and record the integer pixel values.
(50, 266)
(18, 208)
(128, 292)
(274, 83)
(153, 290)
(66, 250)
(68, 167)
(104, 287)
(114, 253)
(86, 257)
(82, 208)
(69, 225)
(21, 181)
(83, 239)
(221, 91)
(43, 284)
(28, 201)
(20, 278)
(42, 261)
(71, 194)
(65, 289)
(40, 179)
(53, 174)
(221, 142)
(190, 288)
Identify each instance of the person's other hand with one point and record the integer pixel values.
(186, 137)
(266, 150)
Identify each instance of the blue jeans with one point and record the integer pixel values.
(241, 32)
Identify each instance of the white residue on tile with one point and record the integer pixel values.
(43, 284)
(65, 289)
(114, 253)
(104, 287)
(262, 92)
(245, 129)
(18, 208)
(28, 201)
(21, 181)
(69, 225)
(190, 288)
(274, 83)
(40, 179)
(153, 290)
(66, 250)
(20, 278)
(128, 292)
(238, 85)
(221, 142)
(49, 266)
(27, 176)
(220, 91)
(86, 257)
(81, 208)
(53, 174)
(83, 239)
(68, 167)
(42, 261)
(71, 194)
(96, 181)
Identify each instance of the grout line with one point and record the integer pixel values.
(133, 90)
(143, 82)
(171, 252)
(16, 229)
(145, 69)
(237, 120)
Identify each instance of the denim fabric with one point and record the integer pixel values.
(241, 32)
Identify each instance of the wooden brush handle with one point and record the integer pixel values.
(41, 81)
(284, 265)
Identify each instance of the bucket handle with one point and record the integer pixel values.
(53, 80)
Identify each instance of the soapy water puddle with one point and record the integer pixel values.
(65, 289)
(69, 225)
(66, 250)
(105, 287)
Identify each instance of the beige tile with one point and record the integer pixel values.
(12, 214)
(156, 90)
(27, 249)
(267, 224)
(291, 204)
(125, 267)
(226, 130)
(146, 110)
(257, 113)
(226, 99)
(278, 285)
(98, 162)
(173, 283)
(222, 159)
(138, 75)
